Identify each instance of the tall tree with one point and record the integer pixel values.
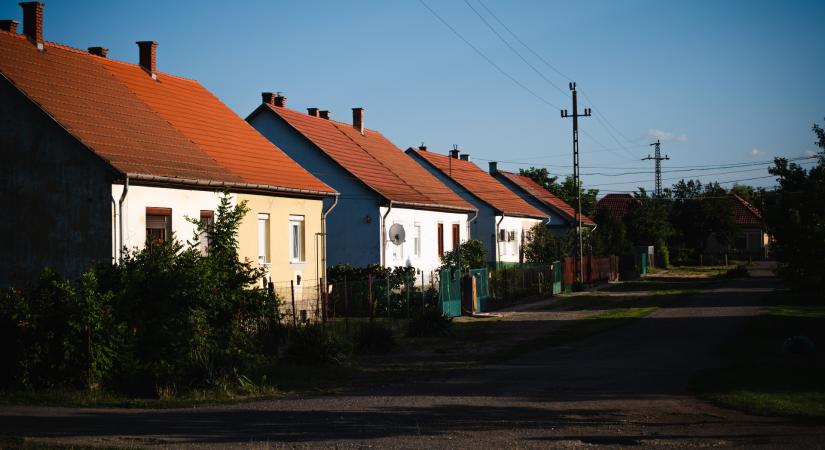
(795, 217)
(647, 220)
(701, 211)
(566, 190)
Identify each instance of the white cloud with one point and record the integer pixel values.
(756, 153)
(666, 136)
(809, 153)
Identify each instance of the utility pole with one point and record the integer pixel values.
(576, 181)
(658, 158)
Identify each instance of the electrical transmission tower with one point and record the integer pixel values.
(576, 181)
(658, 158)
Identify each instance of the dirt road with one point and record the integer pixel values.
(620, 388)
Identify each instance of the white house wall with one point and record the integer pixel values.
(184, 203)
(428, 259)
(510, 250)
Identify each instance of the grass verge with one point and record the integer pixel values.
(9, 442)
(764, 377)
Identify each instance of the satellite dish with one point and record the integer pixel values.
(397, 234)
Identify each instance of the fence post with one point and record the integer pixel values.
(407, 285)
(292, 295)
(423, 292)
(388, 298)
(346, 305)
(369, 288)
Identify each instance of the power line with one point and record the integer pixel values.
(490, 61)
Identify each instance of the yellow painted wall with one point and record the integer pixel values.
(279, 209)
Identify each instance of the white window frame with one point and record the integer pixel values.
(417, 239)
(297, 239)
(264, 230)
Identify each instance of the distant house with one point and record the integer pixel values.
(751, 240)
(616, 204)
(391, 211)
(562, 215)
(101, 155)
(503, 219)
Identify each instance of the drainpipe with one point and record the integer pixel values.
(498, 246)
(324, 215)
(120, 206)
(383, 236)
(469, 225)
(114, 228)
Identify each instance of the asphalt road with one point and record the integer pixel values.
(621, 388)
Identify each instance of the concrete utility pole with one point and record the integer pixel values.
(576, 181)
(658, 158)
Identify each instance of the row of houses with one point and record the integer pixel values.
(100, 155)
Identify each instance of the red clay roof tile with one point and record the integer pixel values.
(744, 214)
(617, 204)
(481, 184)
(171, 128)
(545, 196)
(374, 160)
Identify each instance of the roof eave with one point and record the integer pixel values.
(246, 187)
(434, 206)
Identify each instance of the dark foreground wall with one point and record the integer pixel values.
(55, 195)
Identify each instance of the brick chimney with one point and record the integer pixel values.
(148, 56)
(274, 99)
(99, 51)
(493, 167)
(312, 112)
(8, 25)
(464, 156)
(324, 114)
(33, 22)
(454, 152)
(358, 119)
(422, 147)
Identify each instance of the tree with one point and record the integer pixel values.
(701, 211)
(647, 220)
(542, 246)
(565, 190)
(473, 256)
(610, 236)
(795, 218)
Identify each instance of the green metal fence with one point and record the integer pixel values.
(449, 292)
(555, 268)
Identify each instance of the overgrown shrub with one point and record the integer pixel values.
(373, 337)
(316, 344)
(165, 319)
(429, 323)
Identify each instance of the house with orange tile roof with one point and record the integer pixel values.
(562, 216)
(616, 204)
(751, 240)
(100, 155)
(503, 219)
(391, 211)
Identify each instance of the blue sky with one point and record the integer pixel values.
(718, 81)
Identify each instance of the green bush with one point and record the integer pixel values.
(373, 337)
(429, 323)
(165, 319)
(316, 344)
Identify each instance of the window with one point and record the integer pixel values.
(502, 235)
(207, 220)
(440, 240)
(296, 238)
(417, 239)
(456, 236)
(158, 224)
(263, 239)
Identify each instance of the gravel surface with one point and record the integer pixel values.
(624, 387)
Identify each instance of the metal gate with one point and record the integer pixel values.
(482, 289)
(449, 292)
(555, 268)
